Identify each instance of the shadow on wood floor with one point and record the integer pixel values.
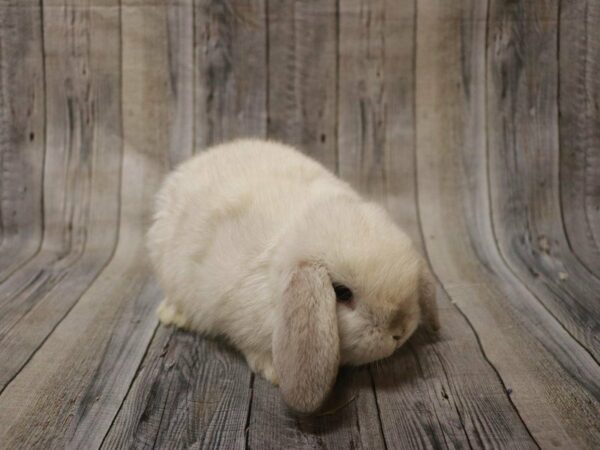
(475, 123)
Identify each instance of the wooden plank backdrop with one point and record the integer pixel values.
(476, 123)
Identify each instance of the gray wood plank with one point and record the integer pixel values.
(231, 62)
(68, 393)
(547, 371)
(579, 115)
(188, 394)
(412, 416)
(524, 167)
(180, 34)
(376, 86)
(80, 180)
(197, 393)
(22, 121)
(302, 52)
(129, 428)
(511, 230)
(442, 392)
(426, 394)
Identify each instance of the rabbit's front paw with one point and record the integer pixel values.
(262, 365)
(169, 315)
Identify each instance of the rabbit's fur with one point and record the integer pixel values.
(248, 238)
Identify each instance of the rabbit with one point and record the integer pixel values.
(255, 242)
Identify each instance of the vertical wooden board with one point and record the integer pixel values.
(70, 391)
(549, 374)
(83, 137)
(376, 84)
(180, 35)
(201, 396)
(22, 121)
(579, 115)
(302, 71)
(524, 167)
(188, 392)
(67, 171)
(422, 402)
(68, 165)
(230, 70)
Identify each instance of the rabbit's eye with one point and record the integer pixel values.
(342, 293)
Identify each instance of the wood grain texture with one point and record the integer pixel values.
(349, 419)
(189, 392)
(524, 165)
(302, 96)
(579, 115)
(22, 111)
(104, 337)
(438, 110)
(230, 70)
(180, 36)
(376, 87)
(431, 394)
(81, 197)
(437, 407)
(540, 363)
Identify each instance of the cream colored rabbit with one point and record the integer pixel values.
(256, 242)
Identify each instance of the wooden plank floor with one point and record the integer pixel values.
(476, 123)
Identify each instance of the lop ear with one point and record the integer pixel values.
(306, 349)
(427, 300)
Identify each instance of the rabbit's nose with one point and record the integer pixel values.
(397, 338)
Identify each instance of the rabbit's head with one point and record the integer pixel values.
(353, 290)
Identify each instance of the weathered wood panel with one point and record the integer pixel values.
(436, 386)
(81, 178)
(547, 372)
(302, 75)
(349, 419)
(100, 344)
(376, 86)
(22, 111)
(523, 167)
(230, 71)
(579, 116)
(439, 110)
(188, 392)
(180, 36)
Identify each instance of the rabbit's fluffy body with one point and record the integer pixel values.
(246, 241)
